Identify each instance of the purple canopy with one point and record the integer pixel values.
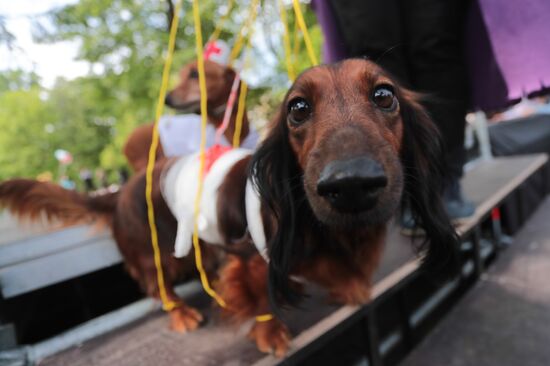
(508, 48)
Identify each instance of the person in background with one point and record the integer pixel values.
(123, 175)
(101, 177)
(421, 43)
(86, 177)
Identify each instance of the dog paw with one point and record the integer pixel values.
(271, 337)
(184, 319)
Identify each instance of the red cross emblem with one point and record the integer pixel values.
(211, 49)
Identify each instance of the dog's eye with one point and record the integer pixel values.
(299, 111)
(193, 74)
(384, 97)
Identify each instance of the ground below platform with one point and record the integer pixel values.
(504, 319)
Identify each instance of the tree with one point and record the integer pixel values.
(124, 41)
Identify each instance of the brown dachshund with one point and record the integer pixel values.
(186, 98)
(348, 147)
(125, 213)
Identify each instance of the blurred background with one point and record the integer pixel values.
(81, 75)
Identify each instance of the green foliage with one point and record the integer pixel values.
(124, 42)
(34, 126)
(18, 80)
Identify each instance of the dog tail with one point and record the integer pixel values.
(32, 200)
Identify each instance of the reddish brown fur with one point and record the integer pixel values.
(307, 236)
(341, 117)
(348, 279)
(243, 286)
(136, 147)
(186, 97)
(30, 199)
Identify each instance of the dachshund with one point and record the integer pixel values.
(347, 150)
(125, 211)
(186, 98)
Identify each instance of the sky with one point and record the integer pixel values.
(48, 60)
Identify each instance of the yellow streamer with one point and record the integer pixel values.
(286, 42)
(216, 34)
(166, 303)
(203, 105)
(248, 26)
(240, 115)
(297, 43)
(303, 28)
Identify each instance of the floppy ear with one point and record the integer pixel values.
(423, 162)
(276, 176)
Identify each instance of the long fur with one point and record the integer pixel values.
(30, 199)
(422, 159)
(278, 179)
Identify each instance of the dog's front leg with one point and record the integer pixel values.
(183, 318)
(243, 286)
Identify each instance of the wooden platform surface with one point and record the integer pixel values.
(489, 183)
(150, 342)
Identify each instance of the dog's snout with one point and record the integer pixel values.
(352, 185)
(168, 101)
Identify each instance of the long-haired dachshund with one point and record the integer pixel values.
(186, 98)
(125, 213)
(347, 149)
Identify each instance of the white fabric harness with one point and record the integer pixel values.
(181, 135)
(179, 187)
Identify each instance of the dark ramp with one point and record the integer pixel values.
(149, 342)
(505, 319)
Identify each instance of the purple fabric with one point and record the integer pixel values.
(334, 48)
(508, 48)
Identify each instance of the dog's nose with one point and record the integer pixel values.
(168, 100)
(352, 185)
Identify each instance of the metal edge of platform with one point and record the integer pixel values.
(345, 313)
(485, 208)
(32, 354)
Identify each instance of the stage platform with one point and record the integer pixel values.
(504, 319)
(379, 333)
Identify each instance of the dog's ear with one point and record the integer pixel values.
(422, 156)
(275, 174)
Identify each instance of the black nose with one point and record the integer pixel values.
(352, 185)
(168, 100)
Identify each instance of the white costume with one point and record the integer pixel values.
(179, 186)
(181, 135)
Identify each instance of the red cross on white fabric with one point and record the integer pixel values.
(211, 49)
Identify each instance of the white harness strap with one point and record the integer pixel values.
(179, 188)
(180, 135)
(253, 207)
